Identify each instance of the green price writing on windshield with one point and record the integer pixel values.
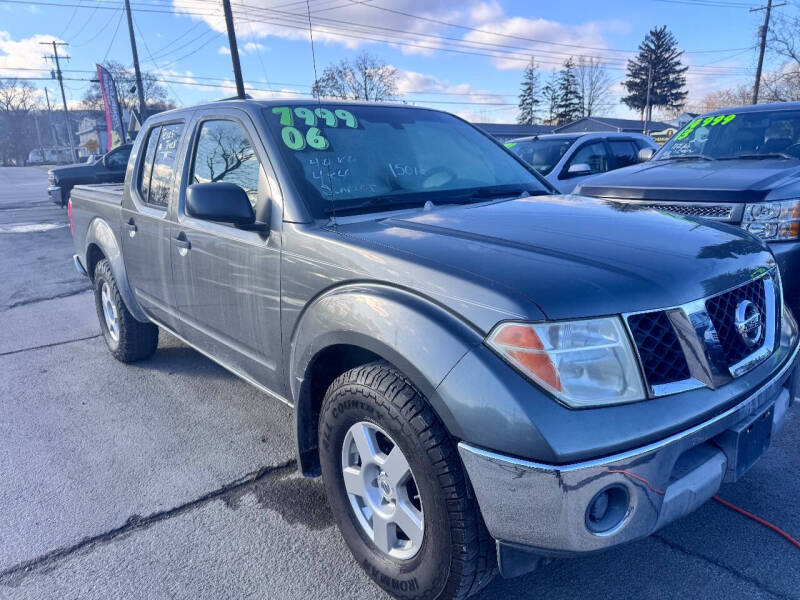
(704, 122)
(293, 138)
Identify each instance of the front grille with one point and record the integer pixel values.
(722, 212)
(660, 352)
(721, 309)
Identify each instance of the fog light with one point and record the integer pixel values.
(608, 509)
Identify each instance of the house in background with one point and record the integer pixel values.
(593, 124)
(92, 137)
(508, 131)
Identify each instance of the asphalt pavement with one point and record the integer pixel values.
(171, 478)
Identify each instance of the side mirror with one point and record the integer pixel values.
(222, 202)
(579, 169)
(646, 154)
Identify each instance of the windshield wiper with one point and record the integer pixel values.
(487, 193)
(376, 203)
(689, 157)
(757, 156)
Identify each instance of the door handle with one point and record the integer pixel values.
(131, 227)
(183, 244)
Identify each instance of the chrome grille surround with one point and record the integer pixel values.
(706, 358)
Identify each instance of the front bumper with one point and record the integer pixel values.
(55, 195)
(552, 511)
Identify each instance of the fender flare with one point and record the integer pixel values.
(102, 235)
(423, 339)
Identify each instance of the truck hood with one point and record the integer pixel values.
(571, 256)
(695, 180)
(73, 170)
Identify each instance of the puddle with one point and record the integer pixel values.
(31, 227)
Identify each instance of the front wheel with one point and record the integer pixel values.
(398, 490)
(128, 340)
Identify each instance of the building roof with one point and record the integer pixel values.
(610, 124)
(514, 129)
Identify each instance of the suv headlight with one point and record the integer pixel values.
(583, 363)
(773, 220)
(51, 177)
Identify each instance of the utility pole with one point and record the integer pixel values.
(647, 100)
(139, 87)
(63, 95)
(762, 33)
(237, 69)
(50, 118)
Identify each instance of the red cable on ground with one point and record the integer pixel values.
(757, 519)
(725, 503)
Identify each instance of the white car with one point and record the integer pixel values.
(567, 159)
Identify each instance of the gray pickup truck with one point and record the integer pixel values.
(486, 374)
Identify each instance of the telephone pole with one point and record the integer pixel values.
(647, 100)
(237, 68)
(50, 118)
(63, 95)
(762, 33)
(139, 87)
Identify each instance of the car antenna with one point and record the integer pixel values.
(319, 106)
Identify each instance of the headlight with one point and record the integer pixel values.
(773, 220)
(582, 363)
(51, 177)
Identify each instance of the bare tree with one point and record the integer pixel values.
(17, 128)
(363, 78)
(155, 94)
(733, 96)
(594, 86)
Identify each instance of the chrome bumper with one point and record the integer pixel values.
(54, 192)
(594, 505)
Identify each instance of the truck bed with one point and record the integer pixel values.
(110, 193)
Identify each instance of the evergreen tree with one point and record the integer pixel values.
(569, 103)
(529, 95)
(550, 95)
(659, 62)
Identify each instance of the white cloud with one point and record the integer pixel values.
(224, 50)
(253, 46)
(26, 53)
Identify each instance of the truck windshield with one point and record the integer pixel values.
(542, 154)
(357, 158)
(749, 135)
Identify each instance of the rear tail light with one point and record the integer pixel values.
(69, 213)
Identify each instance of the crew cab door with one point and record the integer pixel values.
(145, 226)
(227, 279)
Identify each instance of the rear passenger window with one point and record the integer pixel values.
(164, 165)
(158, 166)
(224, 153)
(625, 152)
(147, 163)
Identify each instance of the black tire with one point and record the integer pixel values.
(132, 340)
(457, 556)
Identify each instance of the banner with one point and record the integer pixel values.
(116, 130)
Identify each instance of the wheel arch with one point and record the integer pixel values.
(102, 243)
(358, 324)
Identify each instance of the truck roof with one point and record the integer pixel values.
(767, 107)
(291, 102)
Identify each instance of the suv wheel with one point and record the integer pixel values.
(398, 490)
(128, 340)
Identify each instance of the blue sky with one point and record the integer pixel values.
(185, 41)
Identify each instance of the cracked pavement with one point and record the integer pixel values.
(173, 479)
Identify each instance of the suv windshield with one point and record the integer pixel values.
(355, 157)
(750, 135)
(542, 154)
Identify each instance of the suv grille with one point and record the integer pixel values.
(717, 346)
(659, 349)
(722, 212)
(721, 309)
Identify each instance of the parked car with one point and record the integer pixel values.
(110, 168)
(568, 159)
(483, 372)
(739, 166)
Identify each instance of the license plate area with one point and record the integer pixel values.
(746, 441)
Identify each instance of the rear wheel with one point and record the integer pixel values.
(128, 340)
(398, 490)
